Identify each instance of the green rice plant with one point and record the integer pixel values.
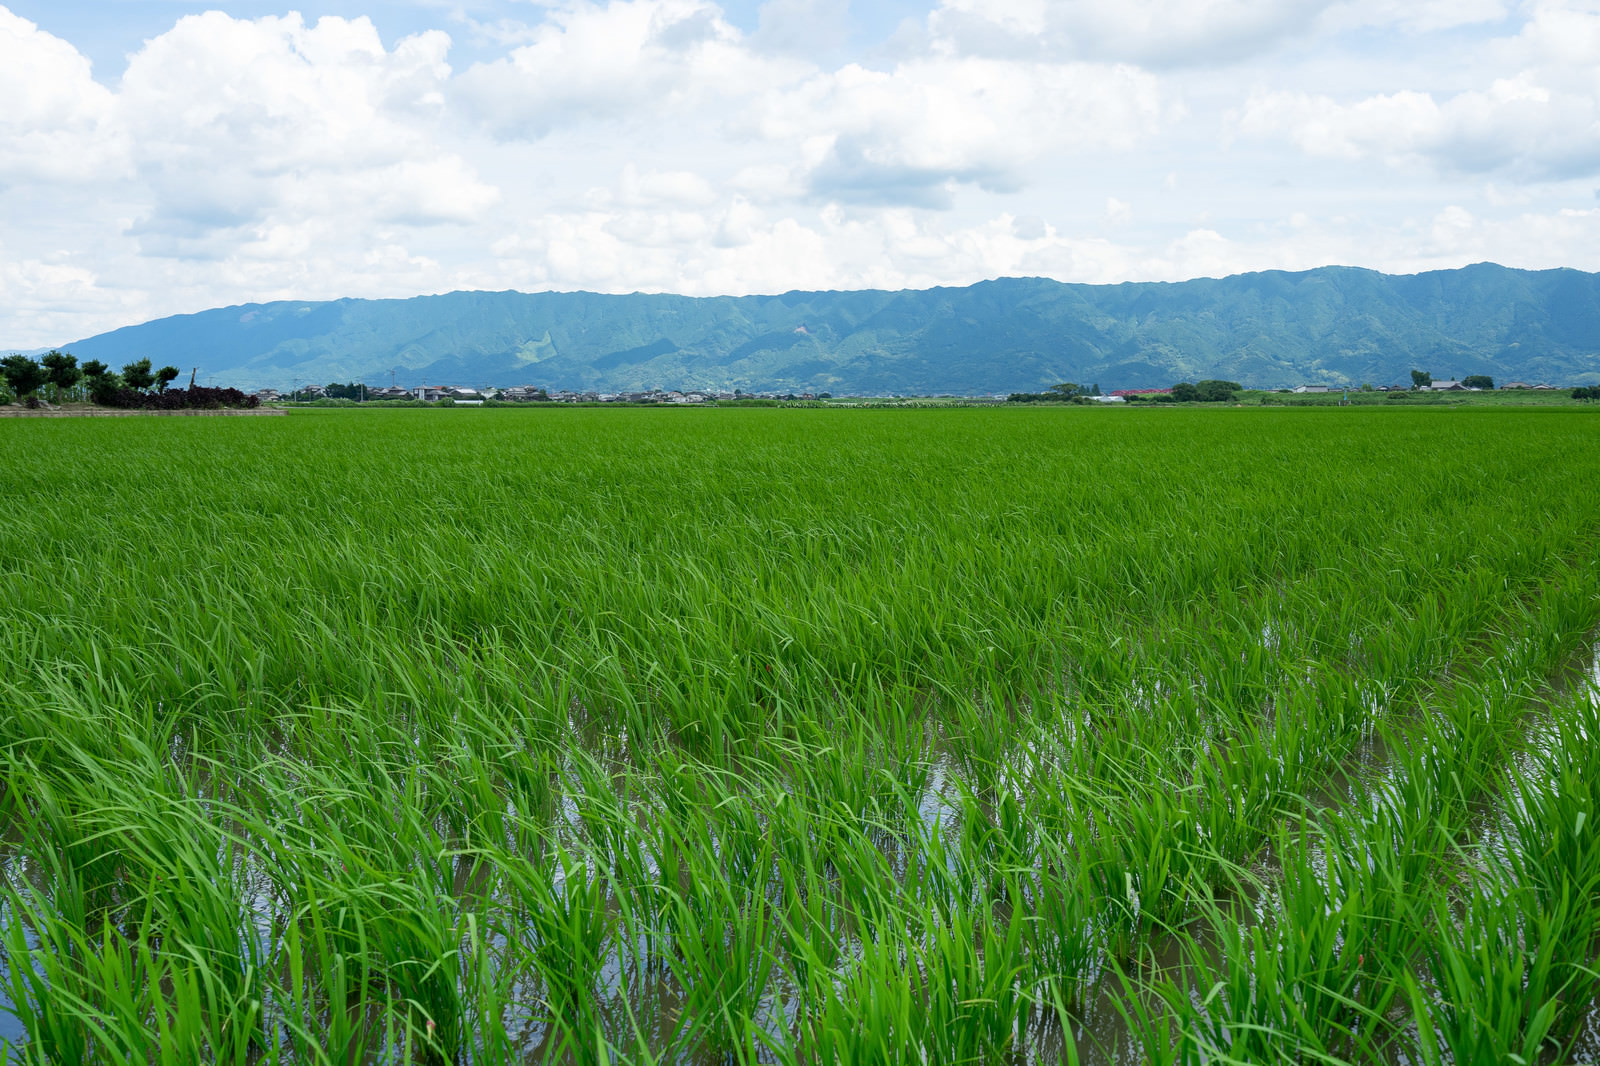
(874, 1016)
(1553, 865)
(569, 924)
(331, 1009)
(1310, 981)
(406, 949)
(724, 967)
(863, 735)
(1497, 997)
(46, 952)
(1063, 946)
(810, 923)
(996, 843)
(952, 998)
(1142, 848)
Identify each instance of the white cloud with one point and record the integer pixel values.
(1149, 32)
(803, 26)
(906, 135)
(56, 122)
(626, 60)
(1516, 124)
(238, 126)
(655, 144)
(658, 188)
(1414, 16)
(737, 248)
(45, 298)
(1536, 116)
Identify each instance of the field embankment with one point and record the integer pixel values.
(109, 412)
(964, 735)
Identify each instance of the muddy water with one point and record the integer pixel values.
(13, 869)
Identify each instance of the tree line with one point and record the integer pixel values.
(1421, 379)
(60, 379)
(1209, 391)
(1066, 392)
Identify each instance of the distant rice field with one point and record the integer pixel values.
(801, 736)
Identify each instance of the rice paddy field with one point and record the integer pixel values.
(801, 736)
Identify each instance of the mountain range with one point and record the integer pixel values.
(1333, 325)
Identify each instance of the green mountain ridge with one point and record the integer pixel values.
(1331, 325)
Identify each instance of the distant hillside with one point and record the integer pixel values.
(1338, 325)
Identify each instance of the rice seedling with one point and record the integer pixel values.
(798, 736)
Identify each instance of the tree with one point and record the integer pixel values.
(165, 376)
(137, 374)
(1478, 381)
(1184, 392)
(1214, 391)
(1065, 391)
(62, 370)
(101, 382)
(1421, 379)
(22, 374)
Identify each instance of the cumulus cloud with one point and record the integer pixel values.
(47, 297)
(904, 136)
(233, 157)
(1415, 16)
(223, 125)
(740, 248)
(253, 123)
(624, 60)
(806, 27)
(57, 123)
(859, 134)
(1516, 124)
(667, 145)
(1149, 32)
(1539, 119)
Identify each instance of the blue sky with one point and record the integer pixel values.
(163, 157)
